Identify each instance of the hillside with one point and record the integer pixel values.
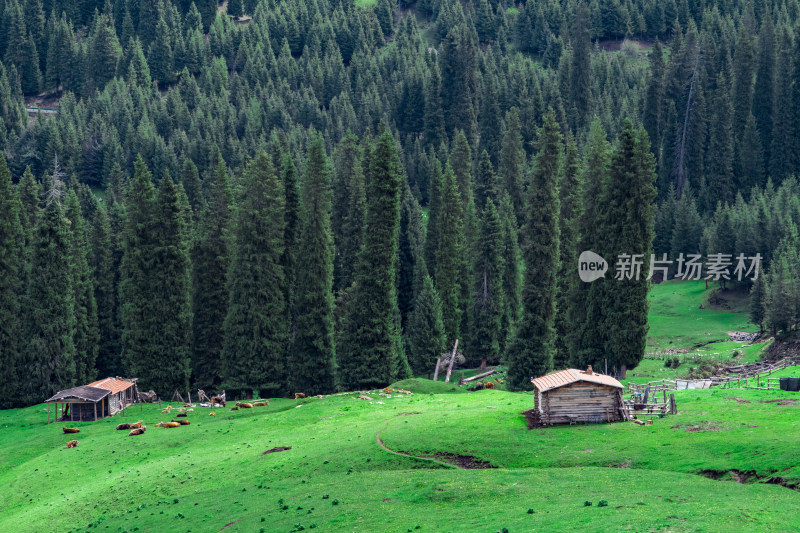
(213, 473)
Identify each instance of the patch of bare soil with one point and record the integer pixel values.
(277, 449)
(738, 400)
(703, 426)
(229, 524)
(532, 417)
(626, 464)
(467, 462)
(749, 476)
(781, 401)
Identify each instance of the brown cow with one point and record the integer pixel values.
(123, 426)
(244, 405)
(182, 422)
(72, 444)
(168, 424)
(261, 404)
(298, 395)
(71, 430)
(137, 431)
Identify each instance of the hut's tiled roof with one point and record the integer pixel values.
(571, 375)
(112, 384)
(84, 392)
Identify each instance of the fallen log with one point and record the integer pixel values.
(479, 376)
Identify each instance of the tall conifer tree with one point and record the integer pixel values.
(531, 353)
(312, 358)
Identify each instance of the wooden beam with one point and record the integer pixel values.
(48, 413)
(95, 412)
(452, 360)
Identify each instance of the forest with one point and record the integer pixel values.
(288, 195)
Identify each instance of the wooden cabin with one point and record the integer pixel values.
(96, 400)
(571, 396)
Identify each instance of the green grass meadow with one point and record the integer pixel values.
(678, 474)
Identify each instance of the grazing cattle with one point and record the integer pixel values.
(168, 409)
(261, 404)
(168, 425)
(212, 413)
(217, 400)
(298, 395)
(136, 425)
(234, 408)
(137, 431)
(123, 426)
(72, 444)
(182, 415)
(182, 422)
(489, 385)
(244, 405)
(71, 430)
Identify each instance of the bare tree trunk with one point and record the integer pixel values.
(452, 360)
(436, 371)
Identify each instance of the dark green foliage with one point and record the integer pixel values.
(105, 52)
(764, 87)
(571, 202)
(312, 358)
(12, 242)
(255, 328)
(211, 259)
(49, 310)
(457, 57)
(235, 8)
(486, 186)
(425, 331)
(155, 285)
(757, 297)
(654, 100)
(291, 238)
(719, 185)
(104, 243)
(347, 218)
(580, 72)
(160, 56)
(410, 245)
(617, 308)
(781, 153)
(512, 278)
(87, 334)
(512, 161)
(531, 353)
(369, 353)
(487, 297)
(449, 253)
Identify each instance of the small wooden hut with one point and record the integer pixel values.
(96, 400)
(571, 396)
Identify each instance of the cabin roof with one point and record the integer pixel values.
(571, 375)
(114, 385)
(84, 392)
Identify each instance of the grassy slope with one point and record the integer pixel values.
(206, 475)
(212, 473)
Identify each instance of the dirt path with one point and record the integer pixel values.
(404, 454)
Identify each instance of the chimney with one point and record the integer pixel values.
(589, 370)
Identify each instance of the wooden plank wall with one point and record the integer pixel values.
(582, 402)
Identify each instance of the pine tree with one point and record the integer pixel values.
(312, 359)
(512, 279)
(781, 152)
(291, 238)
(512, 161)
(757, 298)
(425, 332)
(531, 353)
(255, 328)
(105, 52)
(434, 111)
(580, 73)
(49, 327)
(620, 307)
(765, 83)
(12, 242)
(211, 259)
(571, 202)
(487, 303)
(87, 334)
(654, 98)
(410, 245)
(160, 56)
(486, 186)
(348, 204)
(719, 175)
(368, 354)
(449, 251)
(434, 210)
(105, 293)
(236, 8)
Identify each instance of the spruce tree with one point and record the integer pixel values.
(571, 203)
(487, 304)
(757, 297)
(410, 244)
(312, 358)
(512, 161)
(620, 307)
(105, 293)
(291, 238)
(49, 324)
(781, 152)
(369, 352)
(425, 331)
(719, 184)
(87, 334)
(12, 242)
(255, 328)
(531, 353)
(347, 217)
(211, 261)
(580, 73)
(654, 98)
(765, 83)
(449, 253)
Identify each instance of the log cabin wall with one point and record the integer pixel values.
(581, 402)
